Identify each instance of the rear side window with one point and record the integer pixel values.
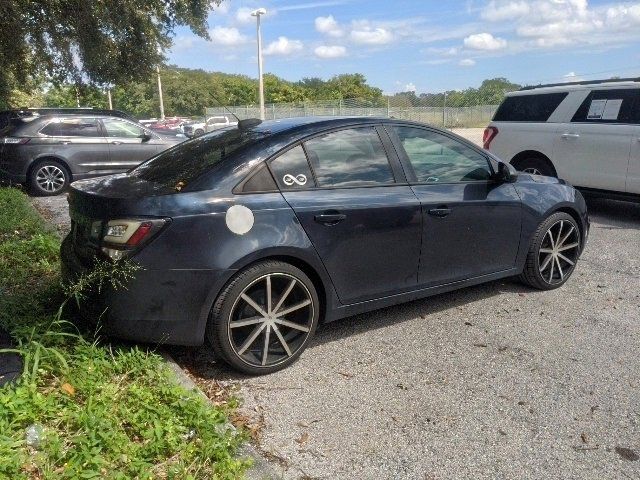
(610, 106)
(351, 157)
(528, 108)
(72, 127)
(121, 129)
(292, 171)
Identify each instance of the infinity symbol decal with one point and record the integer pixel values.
(289, 179)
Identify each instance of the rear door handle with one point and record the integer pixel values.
(64, 142)
(330, 218)
(440, 212)
(570, 135)
(116, 142)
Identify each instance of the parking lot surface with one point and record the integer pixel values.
(494, 381)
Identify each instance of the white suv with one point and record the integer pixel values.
(587, 133)
(196, 129)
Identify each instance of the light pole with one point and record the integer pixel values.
(257, 13)
(160, 93)
(109, 98)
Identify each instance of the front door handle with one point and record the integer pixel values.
(116, 142)
(64, 142)
(570, 135)
(440, 212)
(330, 218)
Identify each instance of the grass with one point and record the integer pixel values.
(102, 410)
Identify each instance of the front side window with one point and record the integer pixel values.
(610, 106)
(72, 127)
(122, 129)
(292, 171)
(352, 157)
(436, 158)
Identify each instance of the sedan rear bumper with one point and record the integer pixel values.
(165, 307)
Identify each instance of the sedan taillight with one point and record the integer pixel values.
(489, 134)
(122, 237)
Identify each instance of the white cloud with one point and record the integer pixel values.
(572, 77)
(467, 62)
(329, 26)
(243, 15)
(498, 11)
(367, 35)
(484, 41)
(330, 51)
(410, 87)
(227, 36)
(283, 46)
(222, 8)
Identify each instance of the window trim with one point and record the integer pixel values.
(406, 161)
(239, 188)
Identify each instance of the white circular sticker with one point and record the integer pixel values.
(239, 219)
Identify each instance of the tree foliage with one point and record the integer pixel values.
(85, 41)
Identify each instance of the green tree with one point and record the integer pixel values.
(95, 42)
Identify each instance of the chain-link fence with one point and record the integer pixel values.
(419, 109)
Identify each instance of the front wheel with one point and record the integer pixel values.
(535, 166)
(264, 318)
(553, 252)
(198, 133)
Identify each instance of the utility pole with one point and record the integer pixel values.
(444, 109)
(160, 93)
(109, 99)
(257, 13)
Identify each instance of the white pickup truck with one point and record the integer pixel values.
(209, 125)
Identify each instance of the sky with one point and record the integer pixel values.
(421, 46)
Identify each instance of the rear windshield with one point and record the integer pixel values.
(529, 108)
(179, 166)
(9, 123)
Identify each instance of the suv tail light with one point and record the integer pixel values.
(489, 134)
(124, 236)
(15, 140)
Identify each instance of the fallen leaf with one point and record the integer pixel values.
(584, 438)
(346, 375)
(303, 439)
(68, 389)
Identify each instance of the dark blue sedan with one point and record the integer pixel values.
(250, 236)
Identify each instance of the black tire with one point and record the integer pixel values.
(198, 133)
(547, 271)
(285, 344)
(535, 165)
(48, 177)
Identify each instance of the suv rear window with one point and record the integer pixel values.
(177, 167)
(529, 108)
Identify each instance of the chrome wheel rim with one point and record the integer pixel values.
(558, 252)
(532, 171)
(271, 320)
(50, 178)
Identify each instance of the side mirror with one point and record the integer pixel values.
(145, 137)
(506, 173)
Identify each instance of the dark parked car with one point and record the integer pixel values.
(49, 148)
(250, 236)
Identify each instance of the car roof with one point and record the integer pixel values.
(569, 87)
(294, 123)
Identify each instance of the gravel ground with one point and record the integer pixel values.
(494, 381)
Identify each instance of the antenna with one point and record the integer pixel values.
(226, 109)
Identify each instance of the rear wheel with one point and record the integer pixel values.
(264, 318)
(198, 132)
(48, 177)
(535, 166)
(553, 253)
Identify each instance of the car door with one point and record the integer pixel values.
(633, 173)
(361, 216)
(78, 141)
(471, 223)
(592, 150)
(129, 144)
